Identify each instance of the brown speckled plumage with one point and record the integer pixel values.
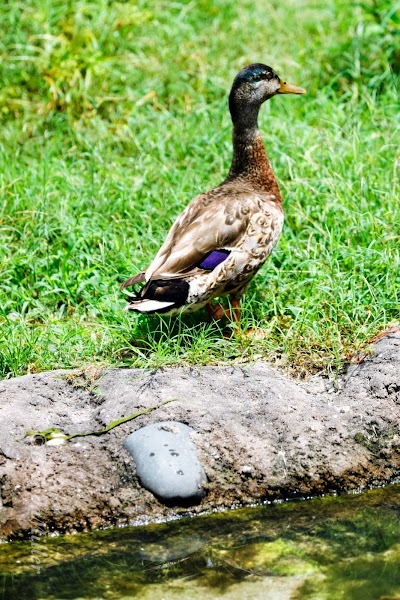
(238, 223)
(250, 163)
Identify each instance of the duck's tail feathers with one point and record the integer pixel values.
(139, 278)
(160, 296)
(148, 306)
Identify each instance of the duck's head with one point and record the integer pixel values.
(252, 86)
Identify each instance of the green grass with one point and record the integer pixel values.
(114, 115)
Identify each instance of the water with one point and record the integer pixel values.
(328, 548)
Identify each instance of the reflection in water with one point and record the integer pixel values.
(327, 548)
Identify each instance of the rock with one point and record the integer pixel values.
(167, 463)
(260, 436)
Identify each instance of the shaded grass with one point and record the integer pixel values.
(115, 115)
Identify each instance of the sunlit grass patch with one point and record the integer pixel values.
(114, 115)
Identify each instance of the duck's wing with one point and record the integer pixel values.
(206, 225)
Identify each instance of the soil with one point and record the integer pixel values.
(260, 436)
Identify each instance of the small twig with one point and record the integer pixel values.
(55, 436)
(361, 355)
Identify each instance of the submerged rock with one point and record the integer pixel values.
(167, 463)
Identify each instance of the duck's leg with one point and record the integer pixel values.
(217, 312)
(235, 312)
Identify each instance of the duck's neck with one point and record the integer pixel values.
(250, 161)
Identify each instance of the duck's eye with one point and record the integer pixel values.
(260, 76)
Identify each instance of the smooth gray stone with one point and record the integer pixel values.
(167, 463)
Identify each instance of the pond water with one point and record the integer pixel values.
(345, 547)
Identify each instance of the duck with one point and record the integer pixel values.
(223, 236)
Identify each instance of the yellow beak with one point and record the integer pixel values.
(286, 88)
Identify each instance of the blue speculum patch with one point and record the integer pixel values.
(213, 259)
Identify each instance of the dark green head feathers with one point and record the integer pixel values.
(252, 86)
(254, 73)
